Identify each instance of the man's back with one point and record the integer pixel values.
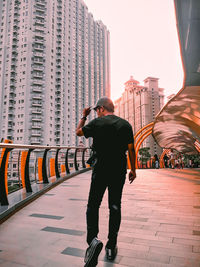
(111, 136)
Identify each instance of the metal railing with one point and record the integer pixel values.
(24, 164)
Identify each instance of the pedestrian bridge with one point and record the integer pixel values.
(160, 223)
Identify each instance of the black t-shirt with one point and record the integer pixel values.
(111, 136)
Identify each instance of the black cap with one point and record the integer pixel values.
(106, 103)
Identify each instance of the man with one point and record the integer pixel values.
(112, 137)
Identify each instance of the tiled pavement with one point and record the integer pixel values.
(160, 224)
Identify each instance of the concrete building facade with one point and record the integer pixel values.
(54, 61)
(139, 104)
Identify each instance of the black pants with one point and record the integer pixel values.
(99, 183)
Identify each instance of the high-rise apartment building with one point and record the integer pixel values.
(54, 61)
(139, 104)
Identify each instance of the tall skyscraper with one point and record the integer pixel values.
(54, 61)
(139, 104)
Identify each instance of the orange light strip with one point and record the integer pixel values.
(148, 125)
(138, 140)
(138, 147)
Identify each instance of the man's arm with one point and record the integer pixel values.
(131, 152)
(79, 131)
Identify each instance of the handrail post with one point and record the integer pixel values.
(19, 154)
(44, 167)
(83, 158)
(3, 195)
(56, 164)
(75, 159)
(66, 162)
(27, 178)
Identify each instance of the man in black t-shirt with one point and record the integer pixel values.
(112, 137)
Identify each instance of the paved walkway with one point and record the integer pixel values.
(160, 224)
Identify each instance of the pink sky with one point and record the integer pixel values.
(144, 42)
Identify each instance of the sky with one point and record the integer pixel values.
(143, 42)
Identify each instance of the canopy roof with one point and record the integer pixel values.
(177, 126)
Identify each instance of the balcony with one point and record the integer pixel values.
(36, 104)
(39, 7)
(14, 52)
(37, 96)
(10, 112)
(36, 127)
(58, 55)
(40, 82)
(14, 60)
(10, 119)
(39, 34)
(58, 42)
(14, 46)
(12, 93)
(40, 15)
(10, 129)
(38, 60)
(13, 68)
(39, 22)
(15, 28)
(40, 2)
(58, 127)
(38, 54)
(36, 133)
(12, 85)
(17, 2)
(37, 75)
(37, 67)
(15, 33)
(37, 48)
(36, 111)
(37, 118)
(35, 141)
(15, 38)
(13, 72)
(39, 41)
(39, 28)
(57, 112)
(16, 21)
(13, 75)
(58, 92)
(16, 14)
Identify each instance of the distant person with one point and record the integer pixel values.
(153, 162)
(190, 163)
(172, 160)
(166, 161)
(112, 137)
(181, 162)
(156, 161)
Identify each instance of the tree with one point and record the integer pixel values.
(144, 155)
(195, 159)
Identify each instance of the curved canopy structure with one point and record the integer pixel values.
(177, 126)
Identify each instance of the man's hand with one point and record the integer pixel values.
(131, 176)
(86, 111)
